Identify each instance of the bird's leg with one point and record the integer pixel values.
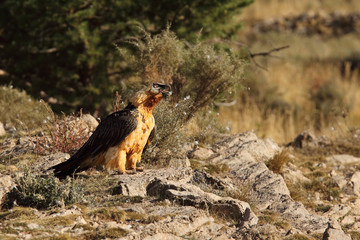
(121, 160)
(131, 163)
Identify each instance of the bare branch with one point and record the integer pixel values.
(268, 53)
(263, 54)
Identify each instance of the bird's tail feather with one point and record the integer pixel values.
(68, 168)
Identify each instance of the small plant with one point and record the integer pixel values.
(325, 185)
(278, 161)
(322, 208)
(42, 192)
(109, 214)
(66, 133)
(108, 233)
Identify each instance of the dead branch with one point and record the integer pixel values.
(268, 53)
(263, 54)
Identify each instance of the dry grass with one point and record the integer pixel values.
(306, 96)
(278, 161)
(288, 98)
(20, 110)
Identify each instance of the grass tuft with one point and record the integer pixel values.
(43, 192)
(277, 163)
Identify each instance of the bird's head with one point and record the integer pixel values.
(159, 90)
(149, 97)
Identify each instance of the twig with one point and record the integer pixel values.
(268, 53)
(263, 54)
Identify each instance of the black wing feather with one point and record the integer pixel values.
(110, 132)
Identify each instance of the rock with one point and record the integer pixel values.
(201, 153)
(135, 185)
(245, 155)
(356, 226)
(90, 121)
(355, 181)
(48, 161)
(113, 224)
(343, 159)
(260, 150)
(190, 195)
(33, 226)
(334, 232)
(340, 181)
(163, 236)
(74, 210)
(80, 220)
(6, 182)
(178, 221)
(338, 211)
(294, 176)
(348, 220)
(205, 180)
(308, 139)
(178, 163)
(2, 129)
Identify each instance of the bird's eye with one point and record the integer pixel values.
(155, 85)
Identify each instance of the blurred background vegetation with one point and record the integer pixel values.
(64, 50)
(77, 54)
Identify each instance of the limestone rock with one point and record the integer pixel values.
(90, 121)
(178, 221)
(310, 140)
(334, 232)
(201, 153)
(343, 159)
(294, 176)
(163, 236)
(338, 211)
(2, 129)
(245, 155)
(135, 185)
(348, 220)
(355, 181)
(48, 161)
(190, 195)
(6, 182)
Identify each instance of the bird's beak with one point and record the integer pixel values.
(166, 94)
(166, 91)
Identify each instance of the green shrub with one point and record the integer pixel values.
(65, 47)
(42, 192)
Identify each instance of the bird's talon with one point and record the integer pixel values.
(132, 171)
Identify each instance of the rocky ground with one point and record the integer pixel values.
(242, 187)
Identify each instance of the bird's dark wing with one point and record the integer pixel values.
(110, 132)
